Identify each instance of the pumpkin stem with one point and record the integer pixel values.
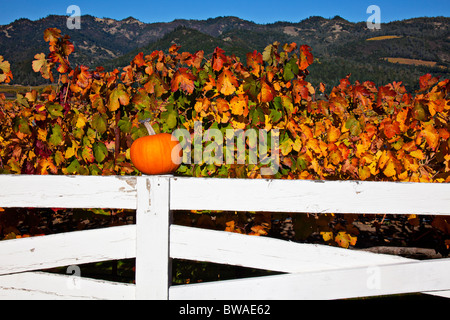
(149, 127)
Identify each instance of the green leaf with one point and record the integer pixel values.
(291, 70)
(141, 100)
(301, 163)
(56, 137)
(275, 116)
(55, 110)
(21, 99)
(59, 158)
(286, 146)
(257, 116)
(100, 151)
(124, 125)
(74, 167)
(169, 117)
(252, 87)
(95, 170)
(354, 126)
(100, 212)
(21, 124)
(99, 123)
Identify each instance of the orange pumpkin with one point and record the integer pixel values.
(156, 154)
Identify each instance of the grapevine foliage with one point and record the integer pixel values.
(86, 122)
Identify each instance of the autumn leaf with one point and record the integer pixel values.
(427, 81)
(322, 87)
(333, 134)
(197, 59)
(344, 240)
(83, 75)
(218, 59)
(139, 59)
(41, 65)
(267, 92)
(431, 136)
(184, 80)
(258, 231)
(52, 35)
(5, 71)
(391, 129)
(56, 138)
(239, 105)
(227, 83)
(255, 61)
(417, 154)
(118, 97)
(326, 235)
(390, 169)
(364, 173)
(67, 47)
(306, 57)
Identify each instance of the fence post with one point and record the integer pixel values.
(153, 272)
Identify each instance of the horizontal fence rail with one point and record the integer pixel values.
(313, 271)
(310, 196)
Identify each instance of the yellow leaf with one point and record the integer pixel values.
(389, 171)
(81, 121)
(42, 134)
(239, 106)
(383, 159)
(237, 125)
(410, 163)
(403, 176)
(297, 144)
(327, 236)
(333, 134)
(417, 154)
(268, 124)
(31, 155)
(344, 240)
(227, 83)
(70, 152)
(364, 173)
(431, 136)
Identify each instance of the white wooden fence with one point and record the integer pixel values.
(310, 271)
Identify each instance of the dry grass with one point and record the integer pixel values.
(383, 38)
(415, 62)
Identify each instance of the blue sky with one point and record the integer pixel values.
(260, 11)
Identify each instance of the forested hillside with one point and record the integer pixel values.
(339, 46)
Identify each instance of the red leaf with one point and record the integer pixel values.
(83, 76)
(183, 80)
(306, 57)
(267, 92)
(255, 61)
(139, 59)
(197, 59)
(427, 81)
(219, 59)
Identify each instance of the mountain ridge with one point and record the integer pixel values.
(101, 41)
